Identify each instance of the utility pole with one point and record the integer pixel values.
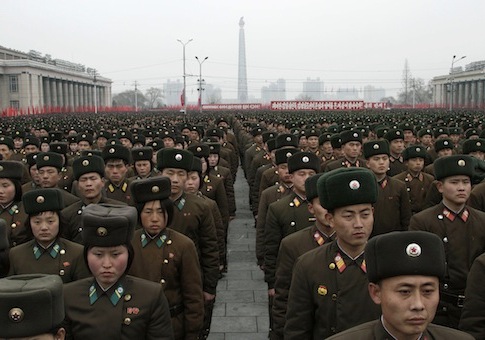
(136, 96)
(200, 89)
(184, 94)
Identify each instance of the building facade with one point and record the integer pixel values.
(461, 88)
(30, 82)
(313, 88)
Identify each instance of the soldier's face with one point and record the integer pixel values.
(83, 145)
(318, 211)
(312, 142)
(143, 168)
(116, 170)
(397, 146)
(5, 151)
(192, 183)
(7, 191)
(213, 159)
(455, 190)
(153, 218)
(426, 140)
(30, 149)
(17, 143)
(168, 142)
(177, 179)
(327, 147)
(352, 149)
(107, 264)
(445, 152)
(408, 303)
(415, 164)
(34, 174)
(49, 177)
(353, 225)
(283, 173)
(45, 227)
(90, 185)
(299, 177)
(378, 164)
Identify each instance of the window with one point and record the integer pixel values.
(15, 104)
(14, 84)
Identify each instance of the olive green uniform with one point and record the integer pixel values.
(417, 188)
(15, 218)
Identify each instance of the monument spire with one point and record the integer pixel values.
(242, 81)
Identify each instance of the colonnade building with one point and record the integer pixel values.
(30, 82)
(462, 88)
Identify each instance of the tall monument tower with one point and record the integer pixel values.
(242, 81)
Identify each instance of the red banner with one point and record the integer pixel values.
(232, 106)
(317, 105)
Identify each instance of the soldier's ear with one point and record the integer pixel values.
(375, 293)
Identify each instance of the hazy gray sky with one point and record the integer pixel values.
(347, 43)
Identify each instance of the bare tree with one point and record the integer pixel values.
(406, 83)
(154, 97)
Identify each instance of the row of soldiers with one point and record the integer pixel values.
(186, 259)
(413, 192)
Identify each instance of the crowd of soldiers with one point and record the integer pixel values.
(158, 190)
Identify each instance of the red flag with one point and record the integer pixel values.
(182, 98)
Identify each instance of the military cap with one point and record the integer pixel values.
(45, 139)
(312, 132)
(31, 140)
(214, 148)
(116, 152)
(200, 150)
(324, 137)
(457, 131)
(286, 139)
(406, 126)
(215, 133)
(106, 225)
(86, 164)
(482, 134)
(221, 120)
(11, 169)
(424, 132)
(196, 165)
(18, 134)
(60, 148)
(347, 186)
(139, 138)
(39, 200)
(303, 160)
(55, 136)
(156, 144)
(394, 134)
(267, 135)
(123, 133)
(377, 147)
(473, 145)
(142, 154)
(441, 130)
(336, 141)
(381, 131)
(174, 158)
(443, 143)
(453, 166)
(363, 129)
(333, 129)
(350, 136)
(199, 129)
(31, 159)
(282, 155)
(98, 153)
(311, 187)
(4, 243)
(151, 189)
(86, 137)
(414, 151)
(472, 132)
(30, 305)
(257, 131)
(113, 141)
(8, 141)
(271, 144)
(404, 253)
(49, 159)
(104, 134)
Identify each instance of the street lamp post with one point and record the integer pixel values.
(184, 94)
(95, 94)
(200, 81)
(453, 61)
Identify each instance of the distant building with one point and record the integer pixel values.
(274, 91)
(242, 77)
(373, 94)
(211, 95)
(347, 94)
(30, 82)
(313, 89)
(461, 89)
(172, 91)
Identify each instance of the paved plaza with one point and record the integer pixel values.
(241, 309)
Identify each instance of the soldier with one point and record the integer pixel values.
(117, 159)
(351, 145)
(49, 165)
(294, 245)
(89, 174)
(167, 257)
(4, 249)
(191, 219)
(289, 214)
(66, 171)
(84, 141)
(443, 147)
(312, 137)
(47, 252)
(6, 147)
(449, 220)
(111, 303)
(418, 183)
(392, 210)
(334, 298)
(396, 148)
(143, 162)
(404, 270)
(325, 144)
(32, 307)
(12, 210)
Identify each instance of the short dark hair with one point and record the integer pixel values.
(166, 205)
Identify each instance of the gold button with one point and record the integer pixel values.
(169, 242)
(40, 199)
(334, 297)
(16, 314)
(162, 281)
(155, 189)
(331, 266)
(14, 225)
(102, 231)
(165, 261)
(127, 321)
(127, 297)
(62, 252)
(61, 272)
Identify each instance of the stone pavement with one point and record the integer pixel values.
(241, 309)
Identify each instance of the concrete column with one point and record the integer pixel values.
(459, 95)
(480, 88)
(473, 94)
(76, 95)
(71, 95)
(60, 95)
(47, 91)
(85, 91)
(40, 80)
(53, 92)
